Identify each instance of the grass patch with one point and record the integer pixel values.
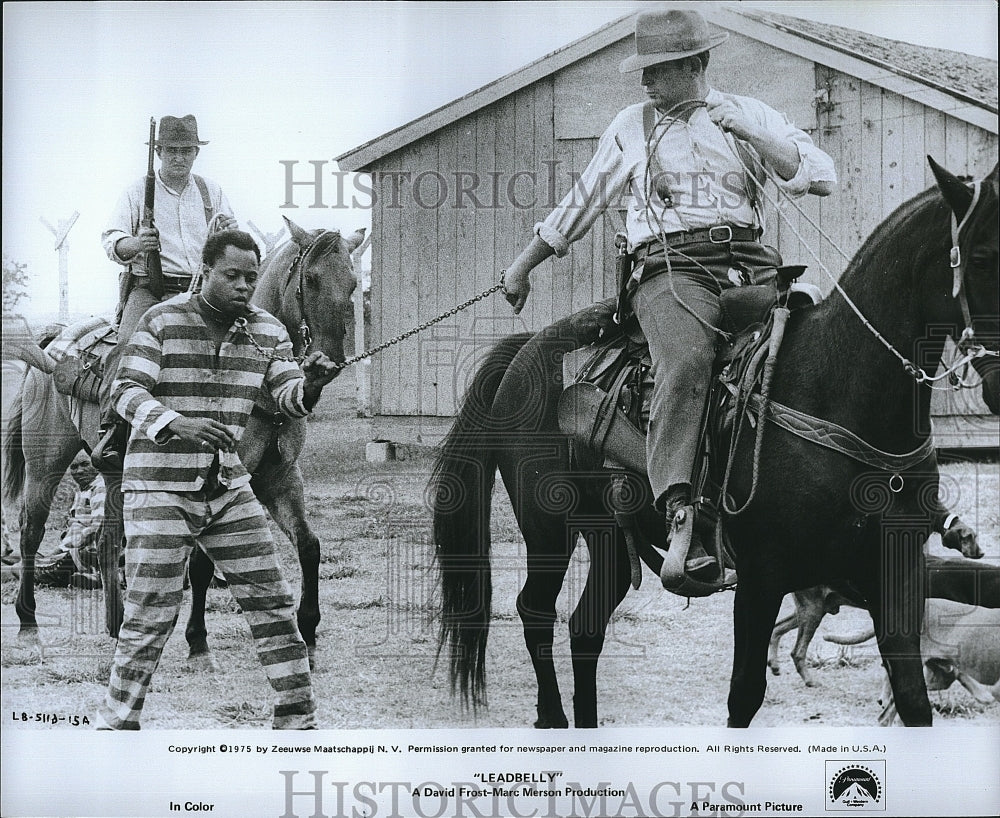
(97, 673)
(243, 714)
(341, 573)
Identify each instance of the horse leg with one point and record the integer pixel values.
(809, 611)
(285, 501)
(536, 605)
(201, 569)
(781, 627)
(608, 581)
(755, 610)
(41, 480)
(900, 649)
(112, 535)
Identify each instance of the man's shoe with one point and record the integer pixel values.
(699, 565)
(109, 454)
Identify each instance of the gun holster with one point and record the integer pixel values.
(624, 264)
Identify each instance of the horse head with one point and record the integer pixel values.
(975, 289)
(312, 294)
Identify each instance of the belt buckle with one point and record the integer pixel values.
(727, 234)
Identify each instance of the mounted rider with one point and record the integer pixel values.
(188, 208)
(691, 160)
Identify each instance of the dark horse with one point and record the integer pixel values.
(307, 284)
(817, 516)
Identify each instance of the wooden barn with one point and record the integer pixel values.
(459, 190)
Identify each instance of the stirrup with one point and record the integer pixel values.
(675, 575)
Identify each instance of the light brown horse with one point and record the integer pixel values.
(307, 284)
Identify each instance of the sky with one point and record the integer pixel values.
(272, 82)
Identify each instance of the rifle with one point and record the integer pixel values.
(154, 268)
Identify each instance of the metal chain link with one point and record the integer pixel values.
(268, 354)
(241, 327)
(427, 324)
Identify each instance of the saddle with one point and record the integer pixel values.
(80, 352)
(604, 410)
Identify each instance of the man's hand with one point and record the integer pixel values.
(319, 371)
(210, 435)
(220, 221)
(515, 280)
(147, 239)
(729, 117)
(516, 287)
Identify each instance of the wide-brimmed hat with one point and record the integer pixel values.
(672, 34)
(179, 132)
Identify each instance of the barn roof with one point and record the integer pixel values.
(963, 75)
(963, 85)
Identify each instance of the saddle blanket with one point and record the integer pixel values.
(93, 335)
(80, 351)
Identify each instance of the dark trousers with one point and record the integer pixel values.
(677, 306)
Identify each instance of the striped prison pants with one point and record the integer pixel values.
(161, 529)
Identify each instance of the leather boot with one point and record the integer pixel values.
(699, 564)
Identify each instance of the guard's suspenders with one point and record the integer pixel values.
(206, 200)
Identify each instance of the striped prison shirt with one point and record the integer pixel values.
(170, 369)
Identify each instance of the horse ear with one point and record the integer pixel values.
(354, 240)
(956, 193)
(299, 236)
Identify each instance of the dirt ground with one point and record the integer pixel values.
(667, 662)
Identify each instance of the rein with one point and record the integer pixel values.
(967, 345)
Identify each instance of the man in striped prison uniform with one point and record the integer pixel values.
(187, 384)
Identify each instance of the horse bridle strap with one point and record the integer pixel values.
(958, 267)
(832, 436)
(298, 267)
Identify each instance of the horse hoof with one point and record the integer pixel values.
(202, 663)
(29, 638)
(545, 724)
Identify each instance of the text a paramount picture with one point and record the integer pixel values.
(524, 409)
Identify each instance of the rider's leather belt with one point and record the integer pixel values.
(717, 234)
(171, 283)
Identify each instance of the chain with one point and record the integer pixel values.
(268, 354)
(241, 327)
(500, 287)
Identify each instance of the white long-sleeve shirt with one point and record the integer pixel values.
(178, 215)
(700, 163)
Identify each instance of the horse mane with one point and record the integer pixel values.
(912, 232)
(326, 241)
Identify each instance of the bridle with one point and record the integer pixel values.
(969, 348)
(296, 269)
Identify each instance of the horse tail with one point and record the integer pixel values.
(462, 489)
(13, 452)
